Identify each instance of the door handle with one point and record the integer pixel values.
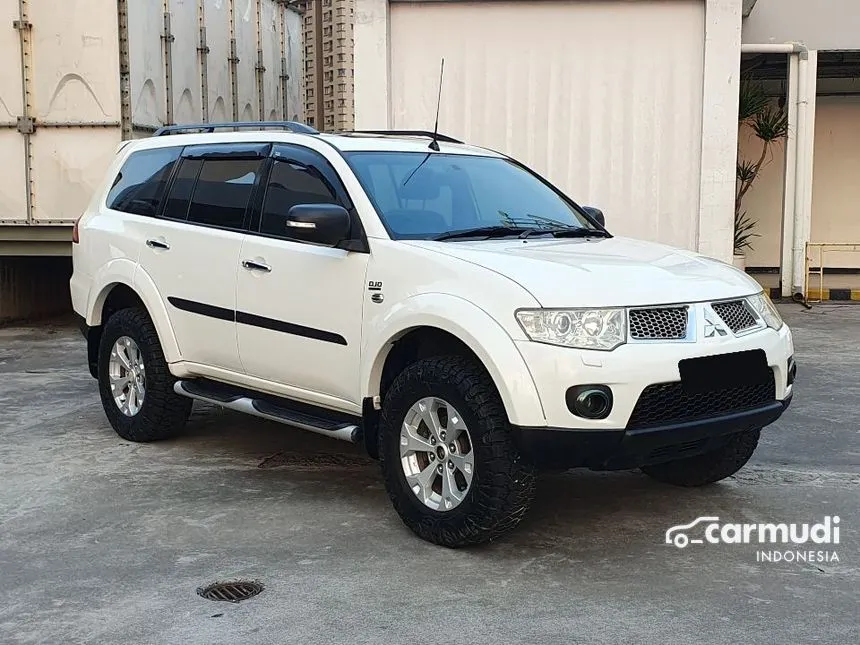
(158, 244)
(252, 265)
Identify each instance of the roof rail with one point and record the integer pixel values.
(292, 126)
(408, 133)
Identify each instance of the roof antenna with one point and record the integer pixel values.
(434, 145)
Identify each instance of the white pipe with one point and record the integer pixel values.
(807, 72)
(790, 185)
(773, 48)
(800, 160)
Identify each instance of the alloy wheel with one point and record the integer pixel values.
(127, 375)
(436, 454)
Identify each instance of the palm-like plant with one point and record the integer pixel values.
(769, 125)
(743, 232)
(753, 100)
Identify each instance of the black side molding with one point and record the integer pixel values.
(244, 318)
(289, 328)
(210, 311)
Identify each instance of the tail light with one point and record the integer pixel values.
(76, 238)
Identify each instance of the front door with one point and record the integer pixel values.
(299, 305)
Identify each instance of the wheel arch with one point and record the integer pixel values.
(455, 326)
(120, 290)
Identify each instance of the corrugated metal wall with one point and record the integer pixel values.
(67, 82)
(603, 98)
(295, 67)
(255, 64)
(77, 104)
(13, 181)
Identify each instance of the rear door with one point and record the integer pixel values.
(133, 203)
(192, 251)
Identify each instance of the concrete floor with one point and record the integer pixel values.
(103, 541)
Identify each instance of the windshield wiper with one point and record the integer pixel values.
(580, 232)
(539, 225)
(567, 231)
(483, 231)
(520, 231)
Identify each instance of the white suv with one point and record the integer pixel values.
(437, 302)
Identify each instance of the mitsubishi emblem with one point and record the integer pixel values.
(713, 327)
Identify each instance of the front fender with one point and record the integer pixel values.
(125, 272)
(474, 327)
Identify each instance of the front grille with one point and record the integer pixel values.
(664, 322)
(666, 403)
(735, 314)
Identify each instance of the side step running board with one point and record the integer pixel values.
(330, 424)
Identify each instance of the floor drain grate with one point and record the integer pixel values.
(235, 591)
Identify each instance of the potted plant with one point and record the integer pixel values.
(769, 124)
(743, 234)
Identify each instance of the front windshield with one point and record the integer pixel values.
(427, 195)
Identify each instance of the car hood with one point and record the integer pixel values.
(602, 272)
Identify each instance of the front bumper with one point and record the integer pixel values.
(631, 368)
(624, 440)
(555, 448)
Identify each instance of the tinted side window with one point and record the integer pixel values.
(292, 183)
(223, 191)
(179, 198)
(140, 185)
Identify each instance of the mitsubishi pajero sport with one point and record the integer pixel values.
(436, 302)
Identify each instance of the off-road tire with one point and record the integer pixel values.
(164, 412)
(504, 483)
(710, 467)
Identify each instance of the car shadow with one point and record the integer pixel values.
(576, 514)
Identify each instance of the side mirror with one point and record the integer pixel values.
(325, 224)
(596, 214)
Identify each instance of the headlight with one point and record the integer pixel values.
(602, 329)
(765, 308)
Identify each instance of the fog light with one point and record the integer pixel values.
(792, 370)
(589, 401)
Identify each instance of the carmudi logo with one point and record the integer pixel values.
(709, 530)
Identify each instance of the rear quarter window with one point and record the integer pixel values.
(139, 187)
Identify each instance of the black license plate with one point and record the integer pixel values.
(724, 371)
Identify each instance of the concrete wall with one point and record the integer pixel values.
(819, 24)
(615, 129)
(835, 189)
(712, 45)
